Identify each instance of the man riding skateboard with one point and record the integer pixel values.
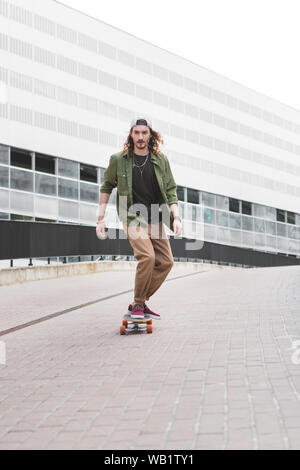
(146, 200)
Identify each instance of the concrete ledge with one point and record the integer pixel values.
(11, 276)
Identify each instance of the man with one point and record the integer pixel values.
(144, 183)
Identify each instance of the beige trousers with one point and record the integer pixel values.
(151, 248)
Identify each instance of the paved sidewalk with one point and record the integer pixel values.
(218, 372)
(28, 301)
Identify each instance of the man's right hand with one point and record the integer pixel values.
(100, 229)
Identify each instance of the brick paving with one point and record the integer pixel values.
(217, 372)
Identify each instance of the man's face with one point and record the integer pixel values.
(141, 136)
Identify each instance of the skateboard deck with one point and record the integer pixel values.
(136, 325)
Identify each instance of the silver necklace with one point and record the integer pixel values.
(142, 166)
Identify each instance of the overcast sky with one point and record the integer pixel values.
(254, 42)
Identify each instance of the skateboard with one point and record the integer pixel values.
(135, 325)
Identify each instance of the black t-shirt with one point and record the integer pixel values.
(145, 189)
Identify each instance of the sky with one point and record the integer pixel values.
(253, 42)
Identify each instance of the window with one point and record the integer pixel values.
(107, 50)
(246, 208)
(209, 216)
(270, 213)
(68, 210)
(292, 231)
(21, 158)
(259, 240)
(88, 173)
(89, 193)
(281, 230)
(67, 168)
(4, 176)
(21, 217)
(126, 86)
(235, 221)
(67, 189)
(176, 79)
(193, 195)
(280, 215)
(270, 227)
(44, 163)
(222, 218)
(45, 185)
(180, 193)
(290, 218)
(101, 175)
(41, 219)
(209, 232)
(248, 239)
(4, 154)
(21, 180)
(4, 199)
(143, 65)
(259, 225)
(181, 208)
(234, 205)
(259, 210)
(223, 235)
(208, 199)
(222, 202)
(235, 237)
(247, 223)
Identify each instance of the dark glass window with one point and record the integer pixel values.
(180, 193)
(246, 208)
(21, 217)
(280, 215)
(234, 205)
(21, 158)
(88, 173)
(44, 163)
(291, 218)
(193, 195)
(41, 219)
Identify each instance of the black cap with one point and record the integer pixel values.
(141, 121)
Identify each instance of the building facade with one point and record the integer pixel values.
(69, 87)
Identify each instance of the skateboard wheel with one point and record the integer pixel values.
(149, 322)
(149, 328)
(122, 330)
(125, 323)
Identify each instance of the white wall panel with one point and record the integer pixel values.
(73, 83)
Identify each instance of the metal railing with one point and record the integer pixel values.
(46, 240)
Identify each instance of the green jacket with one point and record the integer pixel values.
(119, 174)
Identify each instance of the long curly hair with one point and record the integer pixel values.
(154, 143)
